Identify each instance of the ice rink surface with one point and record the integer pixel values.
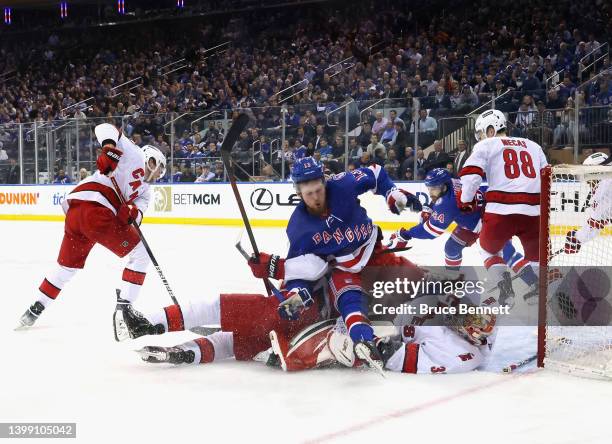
(68, 368)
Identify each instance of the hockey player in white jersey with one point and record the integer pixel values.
(600, 208)
(95, 215)
(511, 166)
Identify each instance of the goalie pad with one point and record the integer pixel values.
(308, 348)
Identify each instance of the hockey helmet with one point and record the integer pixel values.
(492, 117)
(152, 152)
(597, 158)
(437, 177)
(305, 169)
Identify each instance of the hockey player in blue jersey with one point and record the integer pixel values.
(443, 190)
(331, 234)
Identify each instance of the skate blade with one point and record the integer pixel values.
(276, 348)
(119, 326)
(157, 355)
(363, 353)
(22, 327)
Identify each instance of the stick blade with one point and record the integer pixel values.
(234, 133)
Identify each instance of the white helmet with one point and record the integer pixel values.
(595, 159)
(492, 117)
(152, 152)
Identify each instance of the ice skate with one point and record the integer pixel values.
(171, 355)
(367, 352)
(129, 323)
(30, 316)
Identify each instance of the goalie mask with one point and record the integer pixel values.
(155, 163)
(475, 328)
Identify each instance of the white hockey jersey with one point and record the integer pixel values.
(437, 349)
(511, 166)
(129, 174)
(600, 212)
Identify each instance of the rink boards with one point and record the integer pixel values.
(268, 204)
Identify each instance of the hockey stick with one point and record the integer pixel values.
(510, 368)
(146, 245)
(226, 150)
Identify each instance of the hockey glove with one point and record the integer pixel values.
(399, 199)
(572, 245)
(109, 159)
(128, 212)
(425, 214)
(466, 207)
(267, 266)
(398, 240)
(296, 301)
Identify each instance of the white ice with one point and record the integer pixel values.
(68, 368)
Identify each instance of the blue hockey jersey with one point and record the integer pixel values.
(345, 234)
(446, 211)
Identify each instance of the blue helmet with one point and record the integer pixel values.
(437, 177)
(305, 169)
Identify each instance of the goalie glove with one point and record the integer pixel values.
(267, 266)
(398, 240)
(399, 199)
(572, 244)
(296, 301)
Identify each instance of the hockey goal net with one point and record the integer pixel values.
(575, 312)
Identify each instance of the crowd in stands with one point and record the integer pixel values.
(451, 56)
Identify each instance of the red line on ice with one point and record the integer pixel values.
(417, 408)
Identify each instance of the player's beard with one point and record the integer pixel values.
(318, 209)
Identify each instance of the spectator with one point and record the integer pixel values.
(12, 174)
(325, 150)
(380, 156)
(83, 174)
(437, 158)
(291, 118)
(366, 134)
(542, 126)
(392, 164)
(338, 149)
(523, 121)
(355, 151)
(205, 175)
(366, 159)
(450, 168)
(374, 145)
(61, 178)
(428, 127)
(395, 119)
(461, 155)
(3, 154)
(269, 174)
(401, 139)
(188, 175)
(177, 174)
(408, 174)
(379, 124)
(441, 100)
(389, 134)
(219, 172)
(553, 101)
(566, 89)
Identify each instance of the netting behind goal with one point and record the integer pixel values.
(575, 305)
